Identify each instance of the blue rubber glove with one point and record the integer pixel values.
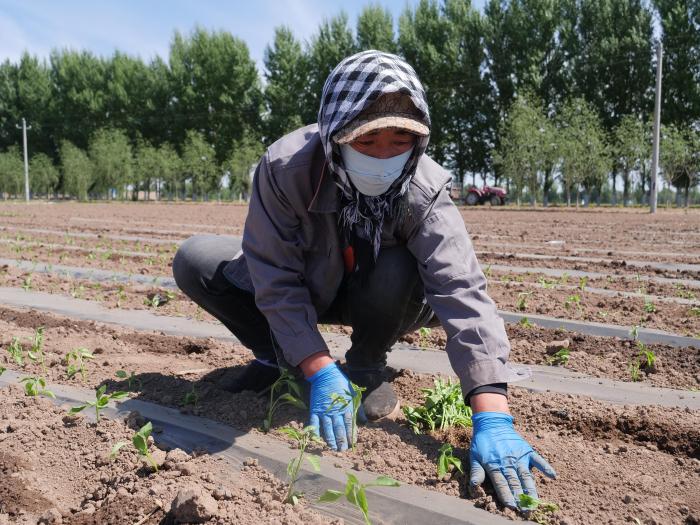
(333, 419)
(499, 450)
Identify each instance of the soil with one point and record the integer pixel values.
(56, 468)
(615, 464)
(602, 453)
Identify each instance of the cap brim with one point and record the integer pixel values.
(408, 124)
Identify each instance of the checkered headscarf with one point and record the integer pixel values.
(351, 87)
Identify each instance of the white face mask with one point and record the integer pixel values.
(372, 176)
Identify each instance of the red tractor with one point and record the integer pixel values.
(494, 195)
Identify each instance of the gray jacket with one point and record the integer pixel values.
(292, 261)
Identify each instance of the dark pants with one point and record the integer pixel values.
(390, 304)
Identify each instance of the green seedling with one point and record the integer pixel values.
(684, 293)
(36, 353)
(75, 362)
(27, 283)
(649, 307)
(101, 401)
(561, 357)
(695, 310)
(447, 462)
(647, 357)
(634, 332)
(635, 370)
(582, 282)
(521, 303)
(535, 509)
(526, 323)
(36, 386)
(546, 283)
(355, 493)
(487, 272)
(131, 379)
(573, 300)
(77, 292)
(278, 399)
(424, 336)
(121, 295)
(442, 408)
(603, 314)
(191, 397)
(2, 370)
(303, 438)
(564, 278)
(343, 401)
(16, 351)
(140, 442)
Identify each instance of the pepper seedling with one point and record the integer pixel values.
(342, 401)
(36, 353)
(447, 460)
(140, 442)
(16, 351)
(536, 509)
(521, 303)
(131, 379)
(101, 401)
(443, 407)
(561, 357)
(277, 400)
(191, 397)
(526, 323)
(78, 356)
(355, 493)
(303, 438)
(36, 386)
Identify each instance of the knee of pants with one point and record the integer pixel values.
(184, 269)
(394, 281)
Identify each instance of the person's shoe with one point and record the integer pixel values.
(256, 377)
(379, 400)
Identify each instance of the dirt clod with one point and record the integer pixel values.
(193, 505)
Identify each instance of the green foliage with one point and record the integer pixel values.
(77, 171)
(521, 302)
(140, 442)
(199, 165)
(36, 352)
(447, 461)
(443, 407)
(36, 386)
(526, 323)
(16, 351)
(101, 401)
(279, 398)
(679, 159)
(573, 300)
(110, 153)
(424, 336)
(302, 438)
(535, 509)
(342, 401)
(43, 175)
(375, 29)
(11, 171)
(355, 493)
(560, 357)
(132, 380)
(191, 397)
(75, 362)
(649, 306)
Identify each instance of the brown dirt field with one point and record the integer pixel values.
(590, 443)
(615, 463)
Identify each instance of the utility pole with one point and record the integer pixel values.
(26, 160)
(657, 125)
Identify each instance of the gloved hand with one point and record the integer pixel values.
(499, 450)
(332, 418)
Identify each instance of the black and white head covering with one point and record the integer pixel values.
(354, 85)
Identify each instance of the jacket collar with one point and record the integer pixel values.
(325, 199)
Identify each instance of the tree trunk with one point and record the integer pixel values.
(568, 195)
(614, 193)
(625, 188)
(687, 193)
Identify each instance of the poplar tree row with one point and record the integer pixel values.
(190, 124)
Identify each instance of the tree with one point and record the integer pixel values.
(680, 24)
(582, 148)
(631, 150)
(680, 158)
(375, 29)
(215, 88)
(110, 153)
(11, 172)
(199, 165)
(241, 164)
(328, 47)
(285, 73)
(43, 175)
(169, 169)
(77, 171)
(525, 151)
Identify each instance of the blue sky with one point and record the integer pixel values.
(145, 28)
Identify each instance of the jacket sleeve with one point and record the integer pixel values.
(273, 251)
(455, 288)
